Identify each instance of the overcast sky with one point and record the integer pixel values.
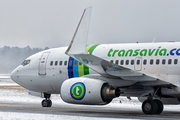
(41, 23)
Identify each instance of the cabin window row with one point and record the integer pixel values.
(65, 63)
(56, 63)
(151, 62)
(75, 63)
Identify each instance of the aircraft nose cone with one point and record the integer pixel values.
(13, 75)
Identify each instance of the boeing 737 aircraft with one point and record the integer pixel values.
(95, 74)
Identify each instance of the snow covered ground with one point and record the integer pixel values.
(12, 93)
(30, 116)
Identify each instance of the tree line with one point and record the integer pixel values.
(11, 57)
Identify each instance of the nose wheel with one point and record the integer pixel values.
(46, 102)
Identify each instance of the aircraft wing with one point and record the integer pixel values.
(77, 50)
(104, 67)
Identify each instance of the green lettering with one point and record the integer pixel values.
(151, 52)
(109, 53)
(115, 51)
(157, 51)
(121, 51)
(143, 52)
(136, 52)
(162, 52)
(130, 52)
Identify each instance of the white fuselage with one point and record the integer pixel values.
(45, 74)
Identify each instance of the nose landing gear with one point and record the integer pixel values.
(46, 102)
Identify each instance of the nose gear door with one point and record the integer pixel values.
(42, 63)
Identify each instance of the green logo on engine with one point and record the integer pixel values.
(78, 90)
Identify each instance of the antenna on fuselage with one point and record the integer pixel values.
(154, 40)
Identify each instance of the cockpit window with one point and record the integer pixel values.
(26, 62)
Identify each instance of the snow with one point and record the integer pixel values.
(5, 76)
(13, 93)
(30, 116)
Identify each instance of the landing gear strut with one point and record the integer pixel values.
(151, 106)
(46, 102)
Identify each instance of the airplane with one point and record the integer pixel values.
(96, 74)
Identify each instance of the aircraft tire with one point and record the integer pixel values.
(149, 107)
(49, 103)
(160, 106)
(44, 103)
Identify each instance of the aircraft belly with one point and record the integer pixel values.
(56, 82)
(35, 83)
(56, 78)
(49, 83)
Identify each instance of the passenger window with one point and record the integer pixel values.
(145, 62)
(60, 63)
(132, 62)
(122, 62)
(157, 62)
(80, 63)
(70, 63)
(111, 61)
(138, 62)
(56, 63)
(175, 61)
(26, 62)
(151, 61)
(75, 62)
(169, 61)
(163, 61)
(117, 62)
(127, 62)
(65, 62)
(51, 63)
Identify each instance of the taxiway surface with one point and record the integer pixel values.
(15, 100)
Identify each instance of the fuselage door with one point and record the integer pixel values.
(138, 64)
(42, 63)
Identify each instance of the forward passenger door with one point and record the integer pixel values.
(42, 63)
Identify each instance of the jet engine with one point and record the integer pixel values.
(88, 91)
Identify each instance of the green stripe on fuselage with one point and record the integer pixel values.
(88, 47)
(82, 69)
(91, 49)
(86, 70)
